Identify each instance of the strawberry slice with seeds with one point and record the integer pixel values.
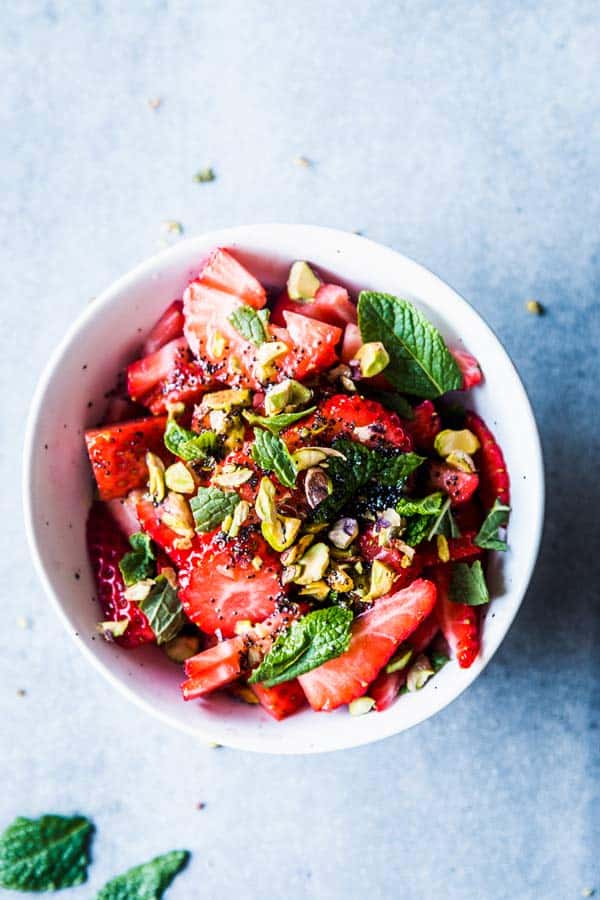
(460, 486)
(424, 425)
(386, 686)
(107, 545)
(118, 454)
(375, 636)
(166, 329)
(282, 700)
(169, 375)
(331, 304)
(495, 482)
(469, 368)
(459, 623)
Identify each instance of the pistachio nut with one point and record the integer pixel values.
(302, 283)
(448, 440)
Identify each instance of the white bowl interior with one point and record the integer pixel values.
(58, 487)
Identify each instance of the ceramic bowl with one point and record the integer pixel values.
(58, 483)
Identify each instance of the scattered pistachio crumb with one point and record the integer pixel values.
(535, 308)
(303, 161)
(154, 102)
(588, 892)
(203, 176)
(21, 692)
(171, 226)
(357, 231)
(213, 745)
(23, 622)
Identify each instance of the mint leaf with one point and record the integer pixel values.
(148, 881)
(45, 854)
(467, 584)
(276, 423)
(188, 445)
(308, 643)
(438, 661)
(420, 363)
(210, 506)
(488, 536)
(444, 523)
(417, 529)
(139, 563)
(425, 506)
(249, 324)
(424, 517)
(163, 610)
(272, 455)
(394, 468)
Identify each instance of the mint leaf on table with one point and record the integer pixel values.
(467, 584)
(148, 881)
(45, 854)
(210, 506)
(247, 322)
(140, 562)
(488, 537)
(276, 423)
(420, 362)
(272, 455)
(188, 445)
(308, 643)
(163, 610)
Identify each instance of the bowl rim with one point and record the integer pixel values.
(153, 264)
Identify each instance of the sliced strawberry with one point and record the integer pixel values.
(469, 516)
(169, 375)
(386, 686)
(223, 272)
(459, 548)
(424, 425)
(458, 622)
(331, 305)
(469, 367)
(460, 486)
(232, 580)
(118, 454)
(167, 329)
(422, 636)
(107, 545)
(124, 513)
(214, 668)
(178, 550)
(314, 346)
(354, 417)
(495, 482)
(144, 374)
(351, 343)
(375, 636)
(282, 700)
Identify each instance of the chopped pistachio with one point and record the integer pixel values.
(313, 564)
(111, 630)
(176, 514)
(179, 478)
(302, 283)
(382, 579)
(419, 673)
(154, 102)
(302, 161)
(448, 440)
(294, 552)
(270, 351)
(343, 533)
(307, 457)
(156, 476)
(315, 527)
(443, 550)
(317, 486)
(348, 384)
(534, 307)
(171, 226)
(216, 344)
(182, 646)
(458, 459)
(265, 501)
(339, 580)
(281, 533)
(290, 573)
(256, 563)
(287, 395)
(240, 514)
(203, 176)
(400, 659)
(360, 706)
(372, 358)
(318, 589)
(228, 399)
(358, 567)
(232, 476)
(244, 693)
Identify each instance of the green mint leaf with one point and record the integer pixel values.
(420, 363)
(467, 584)
(488, 537)
(188, 445)
(272, 455)
(276, 423)
(308, 643)
(45, 854)
(148, 881)
(249, 324)
(417, 529)
(210, 506)
(163, 610)
(438, 661)
(139, 563)
(425, 506)
(444, 523)
(395, 468)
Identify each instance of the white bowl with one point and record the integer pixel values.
(58, 484)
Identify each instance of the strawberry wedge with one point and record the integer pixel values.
(375, 636)
(282, 700)
(459, 623)
(495, 482)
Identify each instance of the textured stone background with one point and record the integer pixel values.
(465, 135)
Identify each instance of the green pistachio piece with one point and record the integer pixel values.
(448, 440)
(382, 579)
(179, 478)
(361, 706)
(156, 476)
(318, 589)
(281, 533)
(287, 395)
(458, 459)
(232, 476)
(419, 673)
(302, 283)
(343, 533)
(372, 358)
(228, 399)
(181, 647)
(313, 564)
(265, 501)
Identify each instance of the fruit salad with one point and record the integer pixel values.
(292, 501)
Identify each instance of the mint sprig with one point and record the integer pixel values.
(276, 423)
(163, 610)
(210, 506)
(250, 324)
(45, 854)
(488, 536)
(140, 562)
(148, 881)
(271, 454)
(308, 643)
(188, 445)
(467, 584)
(420, 362)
